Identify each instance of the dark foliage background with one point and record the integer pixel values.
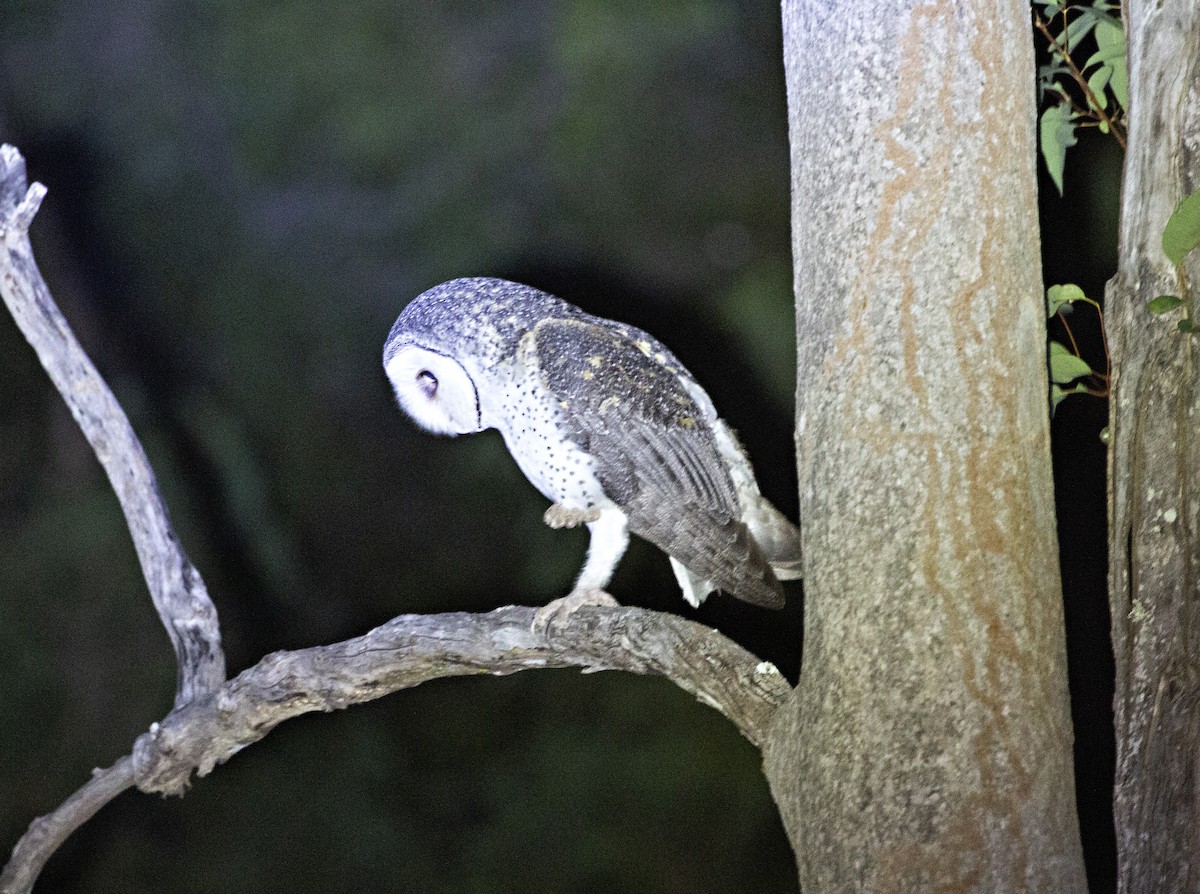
(243, 195)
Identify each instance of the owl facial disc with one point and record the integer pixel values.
(435, 391)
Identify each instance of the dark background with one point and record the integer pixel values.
(243, 195)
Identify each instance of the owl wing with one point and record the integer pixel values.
(626, 405)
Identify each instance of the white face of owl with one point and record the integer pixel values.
(435, 391)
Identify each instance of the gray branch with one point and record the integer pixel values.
(214, 718)
(47, 833)
(405, 652)
(412, 649)
(175, 585)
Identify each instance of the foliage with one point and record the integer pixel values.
(1181, 236)
(1094, 94)
(1182, 232)
(1069, 372)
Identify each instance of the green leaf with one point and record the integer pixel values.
(1080, 27)
(1065, 366)
(1097, 82)
(1110, 38)
(1058, 135)
(1061, 91)
(1099, 13)
(1057, 396)
(1046, 78)
(1186, 325)
(1182, 232)
(1054, 67)
(1057, 296)
(1164, 303)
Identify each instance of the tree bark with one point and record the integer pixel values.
(928, 745)
(1154, 466)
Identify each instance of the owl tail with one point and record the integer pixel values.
(777, 538)
(742, 571)
(695, 588)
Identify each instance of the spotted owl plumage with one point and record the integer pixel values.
(605, 422)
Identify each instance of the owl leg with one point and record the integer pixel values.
(609, 539)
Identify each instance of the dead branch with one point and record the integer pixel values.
(214, 718)
(47, 833)
(175, 585)
(412, 649)
(405, 652)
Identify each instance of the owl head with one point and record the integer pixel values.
(450, 339)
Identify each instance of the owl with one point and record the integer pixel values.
(605, 422)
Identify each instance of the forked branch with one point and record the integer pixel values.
(214, 718)
(405, 652)
(411, 649)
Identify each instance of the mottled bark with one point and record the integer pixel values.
(1154, 467)
(928, 745)
(176, 588)
(405, 652)
(412, 649)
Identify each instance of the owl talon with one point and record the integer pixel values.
(558, 611)
(560, 516)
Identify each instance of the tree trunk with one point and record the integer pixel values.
(928, 745)
(1154, 467)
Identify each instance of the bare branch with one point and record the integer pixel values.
(405, 652)
(412, 649)
(47, 833)
(213, 719)
(175, 585)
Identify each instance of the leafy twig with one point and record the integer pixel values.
(1095, 108)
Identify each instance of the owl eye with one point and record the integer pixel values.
(428, 383)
